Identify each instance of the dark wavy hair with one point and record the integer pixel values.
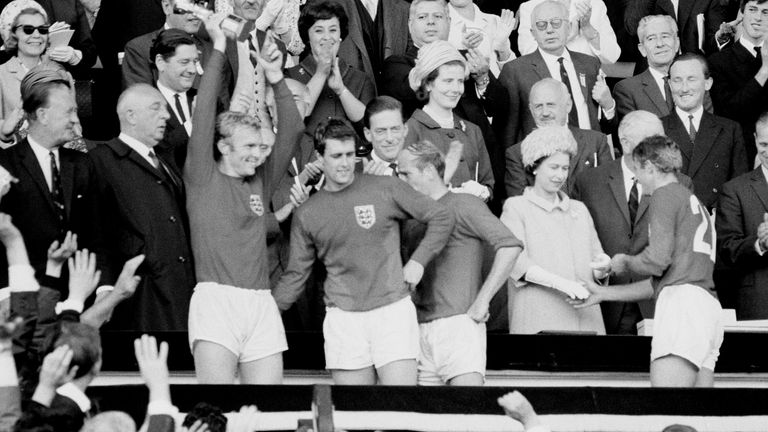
(317, 10)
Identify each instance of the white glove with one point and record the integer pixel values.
(271, 11)
(601, 266)
(548, 279)
(473, 188)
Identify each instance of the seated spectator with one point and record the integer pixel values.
(649, 90)
(28, 39)
(489, 34)
(712, 146)
(590, 30)
(740, 72)
(550, 104)
(335, 89)
(559, 241)
(438, 77)
(593, 106)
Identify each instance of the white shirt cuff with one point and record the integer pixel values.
(21, 278)
(69, 304)
(53, 269)
(161, 407)
(758, 248)
(104, 289)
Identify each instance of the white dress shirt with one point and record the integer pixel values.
(170, 97)
(697, 113)
(749, 46)
(579, 101)
(137, 146)
(376, 158)
(43, 157)
(658, 77)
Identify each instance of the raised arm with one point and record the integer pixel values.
(200, 165)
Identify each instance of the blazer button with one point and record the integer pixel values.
(451, 135)
(717, 165)
(159, 182)
(182, 259)
(714, 190)
(172, 219)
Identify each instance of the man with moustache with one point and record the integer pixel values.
(352, 225)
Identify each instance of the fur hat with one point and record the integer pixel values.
(546, 141)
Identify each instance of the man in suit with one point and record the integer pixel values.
(386, 131)
(80, 55)
(742, 232)
(712, 147)
(579, 72)
(740, 72)
(374, 34)
(619, 210)
(139, 66)
(649, 91)
(55, 190)
(698, 20)
(550, 105)
(175, 60)
(141, 196)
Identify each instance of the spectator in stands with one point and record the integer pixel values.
(370, 327)
(175, 59)
(712, 147)
(438, 77)
(28, 41)
(138, 188)
(650, 91)
(549, 105)
(619, 210)
(559, 241)
(679, 258)
(590, 30)
(488, 34)
(579, 72)
(697, 35)
(335, 89)
(452, 300)
(80, 55)
(234, 324)
(91, 8)
(139, 65)
(740, 72)
(741, 230)
(386, 131)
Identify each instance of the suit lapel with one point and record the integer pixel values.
(616, 183)
(760, 186)
(678, 132)
(705, 140)
(124, 150)
(651, 89)
(539, 66)
(35, 171)
(67, 169)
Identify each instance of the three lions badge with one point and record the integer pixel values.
(256, 205)
(365, 216)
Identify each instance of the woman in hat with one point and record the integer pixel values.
(561, 244)
(438, 78)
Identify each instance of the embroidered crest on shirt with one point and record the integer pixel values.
(256, 205)
(365, 216)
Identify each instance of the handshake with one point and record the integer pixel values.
(601, 268)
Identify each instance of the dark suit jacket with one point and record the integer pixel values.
(735, 93)
(144, 213)
(591, 144)
(742, 205)
(519, 75)
(175, 139)
(717, 156)
(72, 13)
(639, 92)
(712, 10)
(31, 206)
(352, 49)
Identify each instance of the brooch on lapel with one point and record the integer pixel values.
(583, 79)
(462, 126)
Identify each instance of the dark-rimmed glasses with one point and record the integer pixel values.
(29, 29)
(556, 23)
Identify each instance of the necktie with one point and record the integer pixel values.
(180, 109)
(632, 204)
(57, 192)
(691, 129)
(394, 169)
(162, 169)
(573, 116)
(668, 94)
(757, 52)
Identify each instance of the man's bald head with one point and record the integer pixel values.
(143, 112)
(637, 126)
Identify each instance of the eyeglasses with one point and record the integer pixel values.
(556, 23)
(29, 29)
